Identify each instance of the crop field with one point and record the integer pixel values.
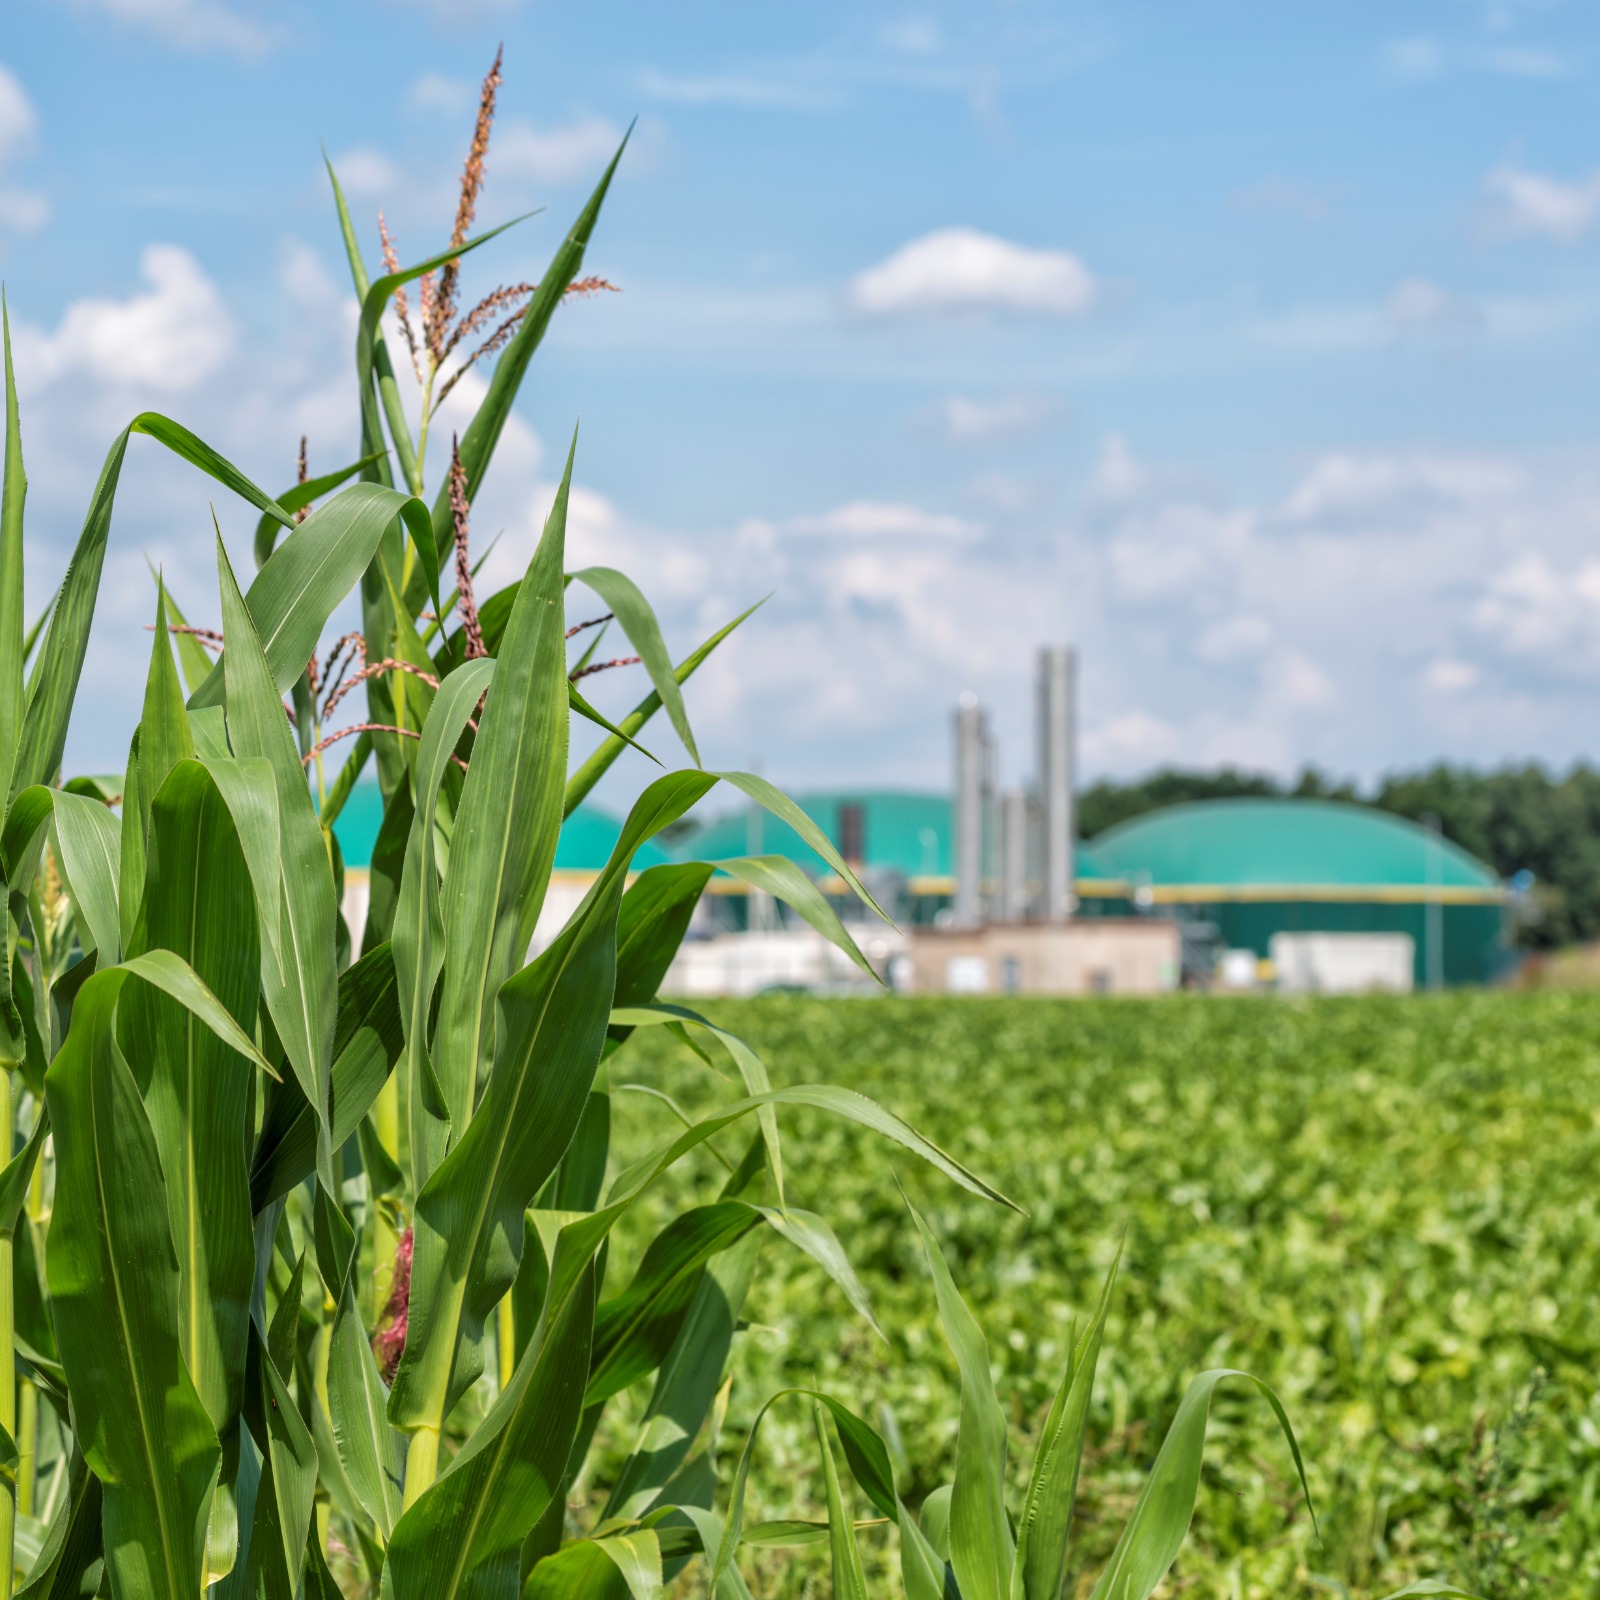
(1385, 1208)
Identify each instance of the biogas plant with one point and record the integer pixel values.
(991, 890)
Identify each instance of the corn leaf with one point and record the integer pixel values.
(91, 856)
(1046, 1523)
(358, 1402)
(114, 1291)
(197, 934)
(72, 1543)
(604, 755)
(1155, 1531)
(849, 1581)
(780, 877)
(53, 684)
(550, 1031)
(463, 1536)
(981, 1548)
(504, 841)
(417, 938)
(297, 499)
(287, 1490)
(637, 620)
(301, 986)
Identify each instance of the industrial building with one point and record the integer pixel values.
(1321, 895)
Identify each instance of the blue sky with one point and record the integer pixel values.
(1252, 348)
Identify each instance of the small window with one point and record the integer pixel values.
(1100, 982)
(966, 975)
(853, 831)
(1010, 975)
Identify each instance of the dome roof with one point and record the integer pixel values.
(1290, 849)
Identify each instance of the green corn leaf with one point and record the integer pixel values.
(634, 1330)
(18, 1172)
(367, 1043)
(604, 755)
(309, 574)
(300, 988)
(463, 1535)
(849, 1580)
(297, 499)
(507, 822)
(376, 469)
(654, 918)
(782, 807)
(358, 1402)
(386, 869)
(418, 932)
(686, 1385)
(981, 1548)
(192, 658)
(164, 736)
(189, 1027)
(1046, 1523)
(13, 651)
(73, 1542)
(483, 432)
(550, 1031)
(780, 877)
(91, 859)
(637, 620)
(707, 1525)
(285, 1496)
(813, 1235)
(249, 789)
(1160, 1521)
(53, 684)
(600, 720)
(620, 1566)
(114, 1291)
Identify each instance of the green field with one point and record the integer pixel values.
(1386, 1208)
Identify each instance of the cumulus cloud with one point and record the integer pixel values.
(956, 270)
(1412, 60)
(167, 340)
(366, 173)
(434, 91)
(578, 149)
(22, 210)
(974, 419)
(867, 519)
(1535, 203)
(1343, 486)
(191, 25)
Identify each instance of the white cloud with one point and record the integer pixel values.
(167, 340)
(433, 91)
(957, 270)
(1447, 675)
(1237, 638)
(866, 519)
(191, 25)
(366, 174)
(1524, 62)
(578, 149)
(1535, 609)
(968, 419)
(21, 210)
(1420, 308)
(1340, 485)
(1412, 60)
(1286, 198)
(1534, 203)
(740, 91)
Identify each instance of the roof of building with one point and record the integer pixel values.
(587, 839)
(903, 830)
(1290, 849)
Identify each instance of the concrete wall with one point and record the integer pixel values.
(1104, 956)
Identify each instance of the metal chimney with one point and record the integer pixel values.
(1057, 816)
(1014, 830)
(970, 838)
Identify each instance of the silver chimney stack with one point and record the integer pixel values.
(972, 806)
(1014, 830)
(1057, 818)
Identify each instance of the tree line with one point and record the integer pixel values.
(1517, 819)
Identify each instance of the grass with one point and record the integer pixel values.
(1386, 1208)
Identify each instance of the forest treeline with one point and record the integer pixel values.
(1518, 819)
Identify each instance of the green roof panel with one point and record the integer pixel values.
(1294, 843)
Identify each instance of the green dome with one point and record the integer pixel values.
(1290, 849)
(587, 839)
(903, 830)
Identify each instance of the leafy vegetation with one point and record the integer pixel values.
(1382, 1207)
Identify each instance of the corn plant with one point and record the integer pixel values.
(303, 1237)
(967, 1541)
